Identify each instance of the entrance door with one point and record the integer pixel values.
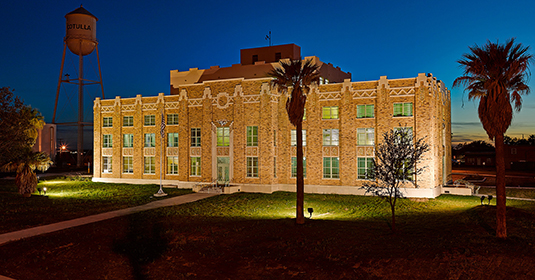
(223, 164)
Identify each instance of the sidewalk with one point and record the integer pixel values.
(25, 233)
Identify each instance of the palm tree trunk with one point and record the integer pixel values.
(300, 191)
(501, 229)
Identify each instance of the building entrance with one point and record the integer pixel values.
(223, 169)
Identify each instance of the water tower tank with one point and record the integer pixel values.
(81, 33)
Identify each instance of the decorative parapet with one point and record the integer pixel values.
(402, 91)
(328, 96)
(365, 93)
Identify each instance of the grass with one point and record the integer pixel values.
(253, 236)
(68, 198)
(511, 192)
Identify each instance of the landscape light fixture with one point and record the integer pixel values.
(39, 189)
(310, 211)
(44, 190)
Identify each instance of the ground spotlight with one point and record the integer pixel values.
(39, 189)
(310, 211)
(44, 190)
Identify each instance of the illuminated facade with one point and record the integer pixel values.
(230, 125)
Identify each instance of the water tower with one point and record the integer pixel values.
(81, 39)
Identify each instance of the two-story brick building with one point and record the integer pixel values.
(230, 125)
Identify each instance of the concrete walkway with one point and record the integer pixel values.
(25, 233)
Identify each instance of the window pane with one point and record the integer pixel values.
(407, 109)
(369, 111)
(172, 119)
(149, 165)
(149, 120)
(172, 165)
(128, 140)
(360, 111)
(334, 112)
(326, 137)
(397, 109)
(326, 113)
(195, 137)
(334, 141)
(128, 121)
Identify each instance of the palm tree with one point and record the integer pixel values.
(298, 76)
(496, 75)
(24, 165)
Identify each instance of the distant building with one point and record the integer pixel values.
(46, 141)
(480, 158)
(520, 157)
(230, 125)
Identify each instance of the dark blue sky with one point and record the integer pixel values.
(141, 41)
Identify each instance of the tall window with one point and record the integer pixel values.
(172, 119)
(149, 165)
(252, 136)
(172, 165)
(128, 140)
(331, 168)
(150, 140)
(294, 167)
(274, 167)
(330, 112)
(106, 164)
(107, 141)
(195, 166)
(365, 111)
(128, 121)
(172, 139)
(107, 122)
(223, 136)
(364, 165)
(252, 167)
(294, 137)
(195, 137)
(150, 120)
(304, 113)
(128, 165)
(330, 137)
(365, 136)
(403, 109)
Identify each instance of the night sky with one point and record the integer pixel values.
(141, 41)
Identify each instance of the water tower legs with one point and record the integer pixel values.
(80, 82)
(79, 158)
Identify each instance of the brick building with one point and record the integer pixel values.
(229, 124)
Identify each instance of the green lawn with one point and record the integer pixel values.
(253, 236)
(68, 198)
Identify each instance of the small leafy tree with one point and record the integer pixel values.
(19, 127)
(394, 165)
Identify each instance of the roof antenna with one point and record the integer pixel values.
(268, 37)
